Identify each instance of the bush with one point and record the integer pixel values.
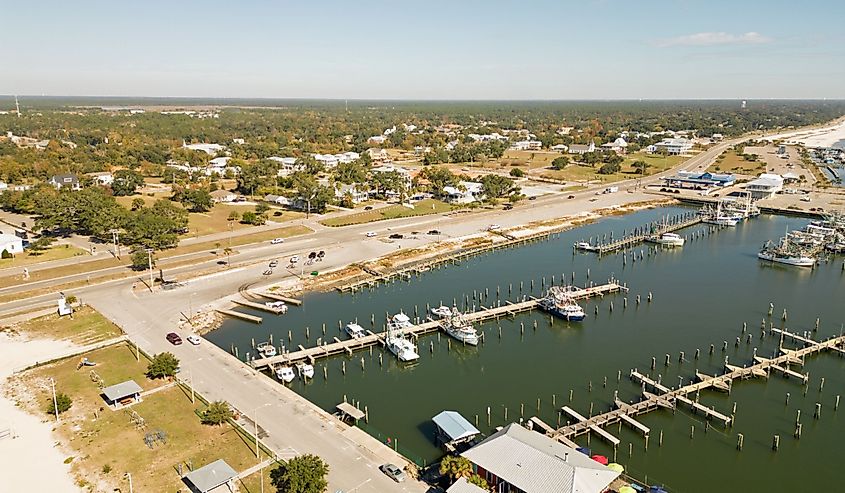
(162, 365)
(5, 254)
(517, 172)
(217, 413)
(63, 402)
(106, 468)
(609, 169)
(302, 474)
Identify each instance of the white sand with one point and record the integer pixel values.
(818, 137)
(30, 461)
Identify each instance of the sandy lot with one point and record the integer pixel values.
(820, 137)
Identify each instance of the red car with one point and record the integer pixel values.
(173, 338)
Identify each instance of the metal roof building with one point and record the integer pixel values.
(452, 426)
(535, 463)
(210, 476)
(116, 395)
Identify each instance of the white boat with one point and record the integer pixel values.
(305, 370)
(354, 330)
(266, 349)
(583, 245)
(400, 321)
(440, 312)
(285, 374)
(457, 326)
(277, 305)
(560, 303)
(668, 239)
(404, 349)
(719, 217)
(798, 260)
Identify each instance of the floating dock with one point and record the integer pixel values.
(643, 234)
(242, 316)
(508, 309)
(666, 397)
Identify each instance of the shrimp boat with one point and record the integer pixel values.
(354, 330)
(720, 217)
(457, 326)
(786, 253)
(404, 349)
(305, 370)
(266, 349)
(285, 373)
(560, 303)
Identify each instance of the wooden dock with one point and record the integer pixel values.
(242, 316)
(277, 297)
(258, 306)
(508, 309)
(643, 234)
(665, 397)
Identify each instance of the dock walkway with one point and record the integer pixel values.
(666, 397)
(507, 309)
(642, 235)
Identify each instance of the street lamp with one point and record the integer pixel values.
(115, 235)
(150, 260)
(55, 403)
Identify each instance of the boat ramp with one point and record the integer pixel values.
(338, 346)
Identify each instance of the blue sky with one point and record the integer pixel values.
(425, 49)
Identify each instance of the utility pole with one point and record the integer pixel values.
(115, 235)
(150, 260)
(129, 477)
(55, 402)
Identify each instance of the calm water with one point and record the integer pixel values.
(702, 295)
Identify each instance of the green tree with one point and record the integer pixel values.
(302, 474)
(63, 403)
(38, 246)
(234, 216)
(196, 200)
(137, 203)
(560, 163)
(261, 208)
(315, 196)
(217, 413)
(141, 260)
(162, 365)
(640, 166)
(439, 177)
(126, 182)
(517, 172)
(478, 481)
(496, 186)
(390, 181)
(456, 467)
(609, 169)
(349, 173)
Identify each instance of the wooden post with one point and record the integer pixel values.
(739, 439)
(775, 442)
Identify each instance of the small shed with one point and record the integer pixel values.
(346, 411)
(123, 394)
(453, 429)
(210, 477)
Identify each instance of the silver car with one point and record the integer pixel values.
(393, 472)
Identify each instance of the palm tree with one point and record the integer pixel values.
(456, 467)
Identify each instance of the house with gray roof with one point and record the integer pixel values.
(212, 476)
(123, 394)
(515, 459)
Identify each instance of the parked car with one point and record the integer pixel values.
(494, 227)
(276, 241)
(173, 338)
(370, 234)
(533, 197)
(368, 208)
(396, 236)
(393, 472)
(273, 263)
(434, 232)
(193, 339)
(571, 197)
(294, 259)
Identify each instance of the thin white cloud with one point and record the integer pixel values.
(715, 38)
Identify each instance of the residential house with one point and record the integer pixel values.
(358, 195)
(239, 141)
(674, 146)
(277, 199)
(377, 139)
(378, 154)
(526, 145)
(765, 186)
(517, 460)
(219, 166)
(582, 149)
(329, 161)
(619, 146)
(466, 192)
(104, 178)
(560, 148)
(403, 173)
(66, 181)
(717, 137)
(487, 137)
(210, 149)
(223, 196)
(288, 166)
(3, 186)
(10, 243)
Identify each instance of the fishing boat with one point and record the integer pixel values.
(305, 370)
(404, 349)
(458, 327)
(354, 330)
(584, 246)
(277, 305)
(266, 349)
(440, 312)
(786, 253)
(719, 217)
(285, 374)
(667, 239)
(560, 303)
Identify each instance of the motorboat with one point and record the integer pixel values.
(585, 246)
(787, 253)
(400, 321)
(458, 327)
(285, 374)
(305, 370)
(440, 312)
(560, 303)
(266, 349)
(280, 306)
(354, 330)
(667, 239)
(404, 349)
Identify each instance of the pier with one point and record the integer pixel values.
(242, 316)
(667, 398)
(277, 297)
(643, 233)
(258, 306)
(508, 309)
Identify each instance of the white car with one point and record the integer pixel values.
(494, 227)
(294, 259)
(370, 234)
(276, 241)
(193, 339)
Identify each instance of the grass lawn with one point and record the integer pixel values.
(731, 162)
(86, 327)
(421, 208)
(56, 252)
(575, 172)
(106, 447)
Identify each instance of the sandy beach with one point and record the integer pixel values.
(818, 137)
(31, 460)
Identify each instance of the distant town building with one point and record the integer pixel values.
(560, 148)
(358, 195)
(377, 139)
(526, 145)
(619, 146)
(10, 243)
(377, 154)
(210, 149)
(66, 181)
(582, 149)
(104, 178)
(673, 146)
(223, 196)
(765, 186)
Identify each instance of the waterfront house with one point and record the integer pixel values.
(65, 181)
(10, 243)
(560, 148)
(581, 148)
(276, 199)
(122, 394)
(765, 186)
(223, 196)
(515, 459)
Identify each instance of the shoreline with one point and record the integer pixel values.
(826, 136)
